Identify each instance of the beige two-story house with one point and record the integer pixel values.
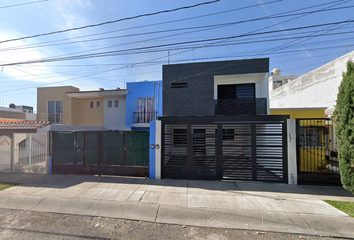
(67, 105)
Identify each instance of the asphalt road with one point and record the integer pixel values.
(21, 224)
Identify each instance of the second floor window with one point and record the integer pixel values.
(109, 104)
(98, 104)
(146, 110)
(55, 111)
(91, 104)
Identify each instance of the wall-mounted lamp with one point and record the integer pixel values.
(152, 146)
(157, 146)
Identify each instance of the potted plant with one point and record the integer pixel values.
(323, 166)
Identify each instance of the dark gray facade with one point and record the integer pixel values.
(188, 89)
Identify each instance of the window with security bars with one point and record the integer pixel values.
(310, 137)
(146, 110)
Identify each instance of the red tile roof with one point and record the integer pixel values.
(8, 124)
(10, 120)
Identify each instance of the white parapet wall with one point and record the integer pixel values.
(318, 88)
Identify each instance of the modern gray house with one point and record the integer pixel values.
(216, 123)
(238, 87)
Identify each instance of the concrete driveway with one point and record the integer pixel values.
(222, 204)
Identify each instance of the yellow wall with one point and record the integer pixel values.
(300, 113)
(311, 158)
(83, 115)
(46, 94)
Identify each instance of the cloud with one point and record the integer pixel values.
(13, 56)
(265, 9)
(69, 14)
(307, 52)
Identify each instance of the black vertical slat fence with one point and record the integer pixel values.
(213, 148)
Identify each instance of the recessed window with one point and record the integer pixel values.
(146, 110)
(91, 104)
(55, 112)
(116, 103)
(179, 85)
(109, 104)
(98, 104)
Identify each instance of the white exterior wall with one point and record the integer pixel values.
(260, 79)
(114, 117)
(292, 158)
(31, 116)
(318, 88)
(158, 150)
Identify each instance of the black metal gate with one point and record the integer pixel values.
(100, 153)
(237, 148)
(317, 154)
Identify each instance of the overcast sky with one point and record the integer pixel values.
(297, 37)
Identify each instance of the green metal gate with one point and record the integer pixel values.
(100, 153)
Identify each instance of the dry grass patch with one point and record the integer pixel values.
(6, 185)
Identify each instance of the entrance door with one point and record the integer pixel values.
(203, 164)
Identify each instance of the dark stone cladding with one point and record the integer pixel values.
(198, 98)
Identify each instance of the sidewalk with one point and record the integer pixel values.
(238, 205)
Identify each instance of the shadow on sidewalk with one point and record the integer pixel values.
(58, 181)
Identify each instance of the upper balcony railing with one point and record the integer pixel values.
(241, 106)
(144, 117)
(55, 118)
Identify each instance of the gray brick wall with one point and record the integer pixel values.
(198, 98)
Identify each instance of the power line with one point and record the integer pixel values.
(142, 26)
(16, 5)
(114, 21)
(209, 27)
(207, 57)
(77, 78)
(158, 47)
(200, 58)
(150, 63)
(286, 45)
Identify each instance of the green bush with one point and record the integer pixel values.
(343, 117)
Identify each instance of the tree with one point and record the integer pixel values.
(343, 117)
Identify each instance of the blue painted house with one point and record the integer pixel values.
(143, 104)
